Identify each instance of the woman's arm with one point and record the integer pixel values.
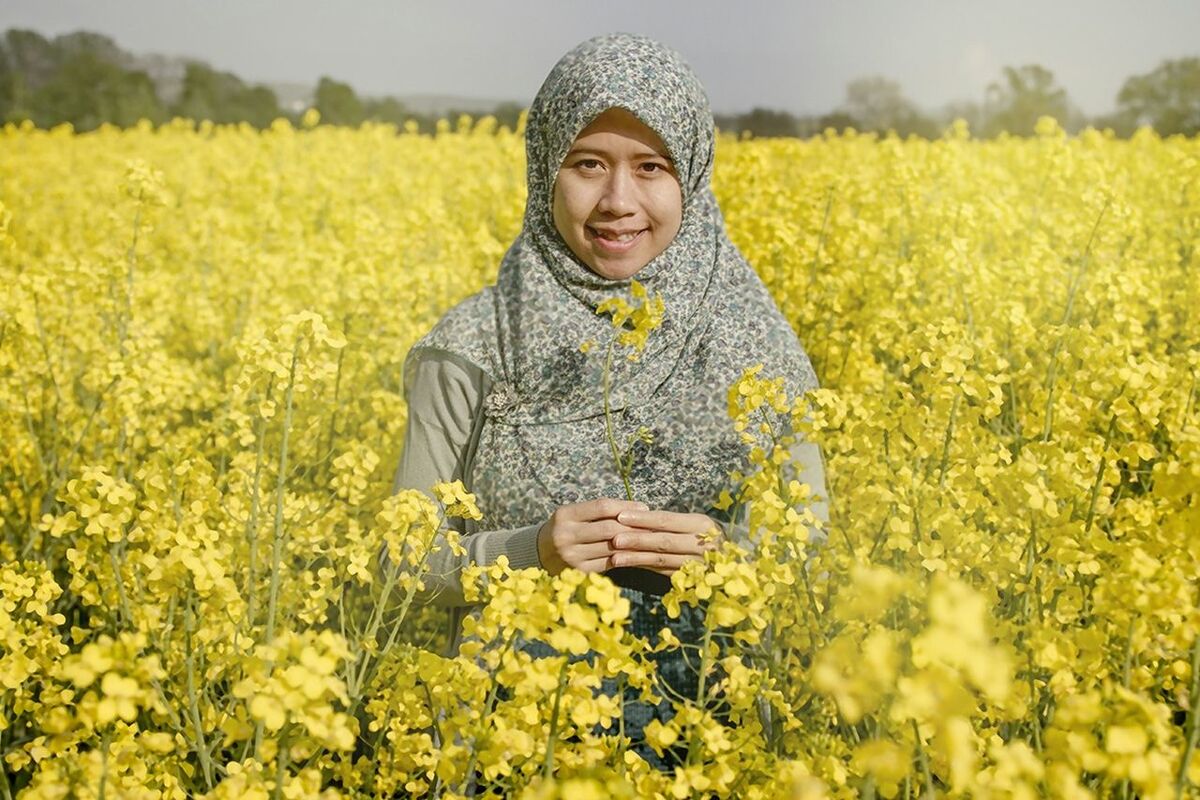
(444, 395)
(807, 465)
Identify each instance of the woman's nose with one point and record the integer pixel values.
(618, 197)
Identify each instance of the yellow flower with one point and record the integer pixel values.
(457, 500)
(634, 322)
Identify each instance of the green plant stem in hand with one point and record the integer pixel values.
(632, 325)
(624, 465)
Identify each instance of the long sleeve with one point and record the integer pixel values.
(810, 465)
(807, 466)
(444, 395)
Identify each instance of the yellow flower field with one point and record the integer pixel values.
(201, 336)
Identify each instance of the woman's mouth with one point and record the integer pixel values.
(611, 242)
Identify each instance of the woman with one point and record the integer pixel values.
(619, 142)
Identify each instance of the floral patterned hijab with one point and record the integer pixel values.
(543, 441)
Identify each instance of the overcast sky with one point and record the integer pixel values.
(795, 56)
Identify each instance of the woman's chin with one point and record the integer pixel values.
(616, 269)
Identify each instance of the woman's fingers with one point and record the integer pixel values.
(595, 564)
(597, 535)
(599, 531)
(667, 521)
(582, 553)
(602, 508)
(660, 542)
(660, 562)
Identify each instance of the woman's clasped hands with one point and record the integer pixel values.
(598, 535)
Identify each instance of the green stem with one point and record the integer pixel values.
(816, 259)
(621, 741)
(693, 753)
(104, 740)
(1091, 512)
(946, 444)
(608, 423)
(1181, 779)
(1052, 373)
(280, 493)
(337, 390)
(1037, 712)
(277, 544)
(357, 677)
(924, 761)
(3, 771)
(1027, 614)
(488, 704)
(281, 763)
(116, 562)
(193, 699)
(252, 522)
(1187, 407)
(366, 674)
(1127, 666)
(548, 764)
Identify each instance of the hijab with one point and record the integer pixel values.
(543, 442)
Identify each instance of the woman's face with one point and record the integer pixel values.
(617, 199)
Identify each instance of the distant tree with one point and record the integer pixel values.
(1025, 94)
(223, 98)
(32, 56)
(764, 122)
(967, 110)
(8, 84)
(725, 122)
(257, 105)
(508, 114)
(87, 91)
(27, 59)
(338, 103)
(879, 105)
(97, 44)
(385, 109)
(1168, 98)
(1123, 125)
(839, 121)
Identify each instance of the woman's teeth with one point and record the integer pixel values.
(624, 237)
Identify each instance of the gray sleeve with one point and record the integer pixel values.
(807, 466)
(444, 395)
(810, 468)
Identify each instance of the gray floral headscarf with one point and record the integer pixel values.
(543, 443)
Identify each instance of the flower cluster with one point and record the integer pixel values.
(634, 322)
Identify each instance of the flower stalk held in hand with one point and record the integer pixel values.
(633, 324)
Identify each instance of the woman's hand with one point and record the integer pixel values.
(580, 535)
(663, 540)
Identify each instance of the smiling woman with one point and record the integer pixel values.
(620, 146)
(617, 200)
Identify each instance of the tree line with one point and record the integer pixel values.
(86, 80)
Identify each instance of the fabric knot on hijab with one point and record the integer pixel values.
(500, 401)
(544, 443)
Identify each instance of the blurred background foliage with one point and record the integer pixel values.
(86, 79)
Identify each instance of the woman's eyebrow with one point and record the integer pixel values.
(596, 151)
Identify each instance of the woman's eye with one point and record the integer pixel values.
(651, 166)
(588, 163)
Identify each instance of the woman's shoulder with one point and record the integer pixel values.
(438, 383)
(470, 319)
(465, 336)
(460, 346)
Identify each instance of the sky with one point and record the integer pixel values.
(793, 56)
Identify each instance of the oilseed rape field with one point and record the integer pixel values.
(201, 338)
